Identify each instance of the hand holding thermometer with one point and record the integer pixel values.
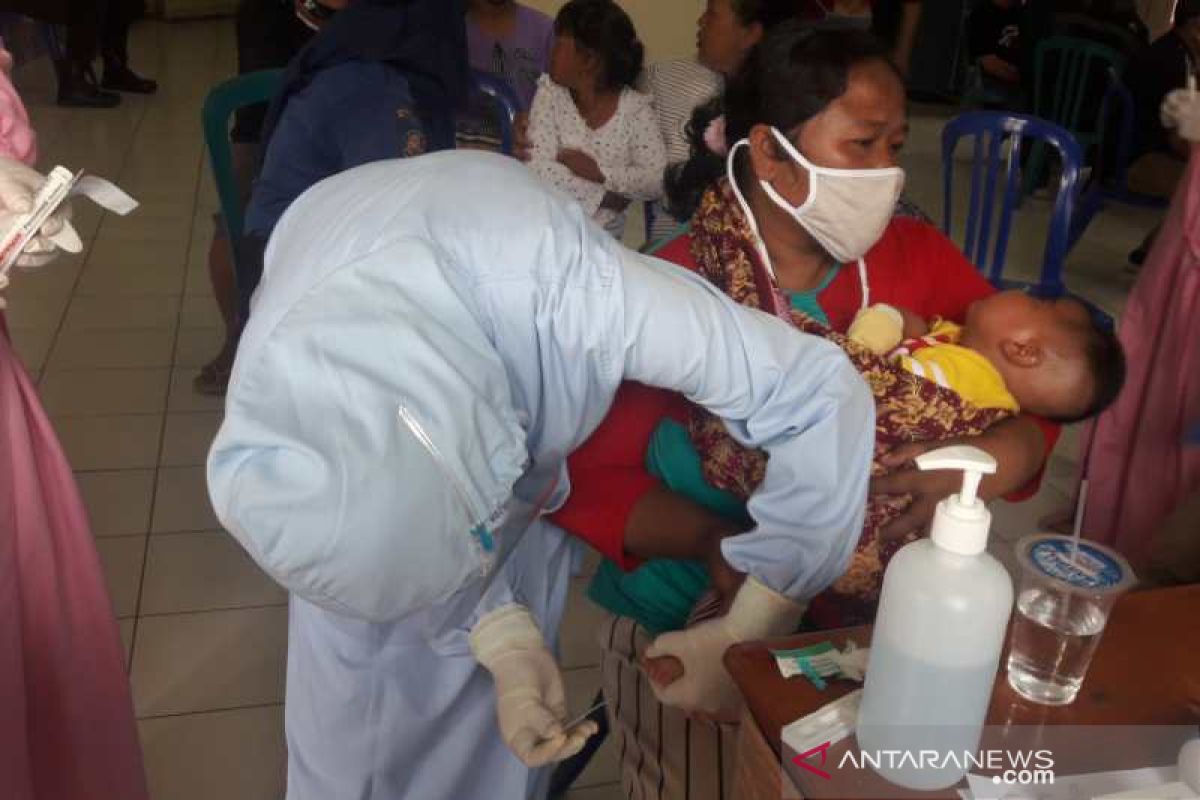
(60, 184)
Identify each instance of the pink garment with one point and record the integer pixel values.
(1139, 469)
(67, 730)
(17, 139)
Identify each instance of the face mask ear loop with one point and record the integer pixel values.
(814, 173)
(863, 283)
(759, 244)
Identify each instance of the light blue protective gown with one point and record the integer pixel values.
(430, 333)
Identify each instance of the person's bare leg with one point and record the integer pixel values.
(215, 374)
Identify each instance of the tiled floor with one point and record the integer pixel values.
(115, 337)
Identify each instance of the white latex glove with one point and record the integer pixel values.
(18, 185)
(1180, 111)
(530, 702)
(705, 687)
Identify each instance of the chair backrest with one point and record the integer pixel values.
(990, 130)
(1116, 131)
(1068, 76)
(224, 99)
(500, 93)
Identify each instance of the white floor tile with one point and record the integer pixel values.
(126, 627)
(122, 557)
(231, 755)
(104, 391)
(200, 312)
(128, 441)
(181, 502)
(184, 398)
(33, 346)
(108, 313)
(212, 660)
(109, 281)
(196, 347)
(577, 645)
(36, 310)
(118, 502)
(188, 436)
(203, 572)
(115, 349)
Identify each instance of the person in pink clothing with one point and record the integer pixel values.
(17, 139)
(1139, 466)
(67, 728)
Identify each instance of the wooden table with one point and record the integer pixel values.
(1146, 671)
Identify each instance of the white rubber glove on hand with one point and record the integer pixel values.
(705, 687)
(18, 186)
(1180, 111)
(530, 701)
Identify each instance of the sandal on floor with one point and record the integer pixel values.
(211, 380)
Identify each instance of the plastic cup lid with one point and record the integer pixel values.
(1096, 569)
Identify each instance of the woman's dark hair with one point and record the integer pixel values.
(791, 76)
(602, 27)
(767, 13)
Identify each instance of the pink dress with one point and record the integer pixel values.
(67, 729)
(1139, 467)
(17, 139)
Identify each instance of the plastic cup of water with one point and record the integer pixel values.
(1063, 601)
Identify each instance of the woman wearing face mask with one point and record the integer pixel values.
(805, 191)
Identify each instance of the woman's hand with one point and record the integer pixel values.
(18, 186)
(581, 165)
(1017, 445)
(522, 147)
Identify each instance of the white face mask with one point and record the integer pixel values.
(847, 210)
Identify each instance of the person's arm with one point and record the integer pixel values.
(642, 177)
(544, 145)
(997, 67)
(615, 505)
(793, 395)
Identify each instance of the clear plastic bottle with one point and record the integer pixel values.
(935, 651)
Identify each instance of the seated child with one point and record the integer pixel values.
(590, 133)
(1014, 351)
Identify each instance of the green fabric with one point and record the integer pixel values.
(806, 302)
(660, 593)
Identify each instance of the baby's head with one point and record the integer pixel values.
(1055, 360)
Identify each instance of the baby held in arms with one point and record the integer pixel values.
(1014, 351)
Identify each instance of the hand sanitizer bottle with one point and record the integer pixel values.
(943, 612)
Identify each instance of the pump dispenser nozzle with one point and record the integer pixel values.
(961, 521)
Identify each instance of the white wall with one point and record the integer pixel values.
(666, 27)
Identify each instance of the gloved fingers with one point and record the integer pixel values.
(533, 749)
(63, 234)
(29, 260)
(18, 184)
(576, 739)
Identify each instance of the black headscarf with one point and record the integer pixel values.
(425, 39)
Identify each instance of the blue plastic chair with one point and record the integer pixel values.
(990, 130)
(500, 93)
(219, 107)
(1110, 181)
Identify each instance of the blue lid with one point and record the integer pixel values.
(1095, 568)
